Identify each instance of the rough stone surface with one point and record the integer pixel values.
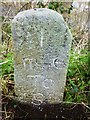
(41, 42)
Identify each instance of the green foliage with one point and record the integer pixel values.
(7, 64)
(53, 5)
(78, 65)
(78, 81)
(59, 6)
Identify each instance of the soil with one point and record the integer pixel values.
(45, 111)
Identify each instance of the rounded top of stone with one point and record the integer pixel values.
(39, 12)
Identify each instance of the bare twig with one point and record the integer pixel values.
(6, 34)
(23, 6)
(7, 15)
(86, 106)
(4, 112)
(3, 63)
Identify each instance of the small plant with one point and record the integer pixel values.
(7, 64)
(78, 83)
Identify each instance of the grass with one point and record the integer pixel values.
(78, 82)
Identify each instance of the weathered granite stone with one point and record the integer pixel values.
(42, 41)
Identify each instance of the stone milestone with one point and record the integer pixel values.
(42, 42)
